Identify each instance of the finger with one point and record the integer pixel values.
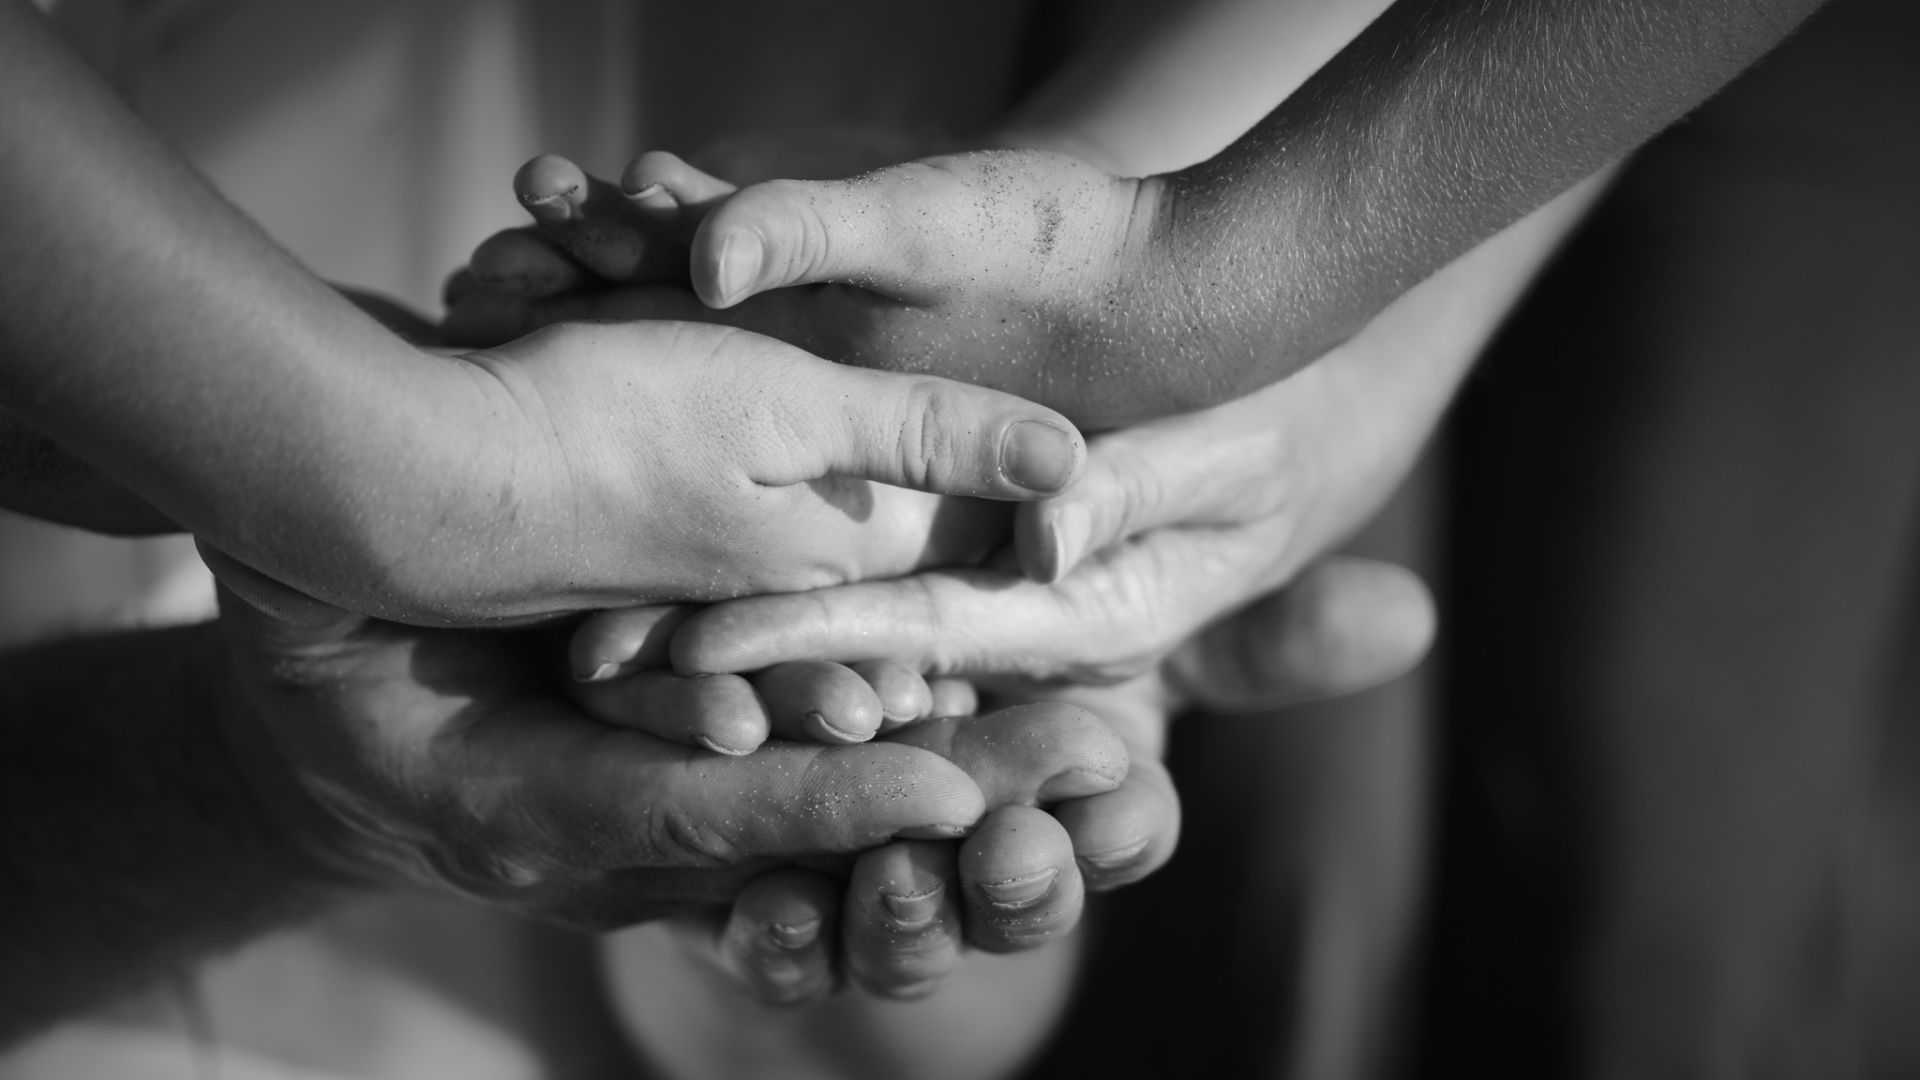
(903, 930)
(620, 641)
(918, 432)
(1124, 835)
(526, 262)
(593, 222)
(903, 692)
(1213, 467)
(779, 937)
(1342, 626)
(719, 712)
(940, 621)
(904, 231)
(1021, 884)
(818, 701)
(581, 794)
(1027, 754)
(674, 194)
(953, 697)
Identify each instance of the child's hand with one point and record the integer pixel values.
(1007, 269)
(619, 660)
(594, 466)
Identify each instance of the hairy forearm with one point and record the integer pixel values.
(133, 845)
(1442, 123)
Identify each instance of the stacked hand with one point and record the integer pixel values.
(1028, 271)
(449, 759)
(1174, 524)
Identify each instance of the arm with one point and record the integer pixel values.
(171, 793)
(133, 844)
(1440, 124)
(157, 336)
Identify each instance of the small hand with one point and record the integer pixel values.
(1025, 270)
(595, 465)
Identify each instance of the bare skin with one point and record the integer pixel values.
(1117, 299)
(561, 476)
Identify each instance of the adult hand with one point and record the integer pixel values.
(1176, 523)
(912, 907)
(905, 911)
(446, 758)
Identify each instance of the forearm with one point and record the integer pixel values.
(39, 479)
(1160, 85)
(1442, 123)
(157, 335)
(133, 845)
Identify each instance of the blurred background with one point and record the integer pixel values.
(1652, 809)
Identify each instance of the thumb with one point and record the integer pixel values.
(920, 432)
(901, 231)
(1183, 470)
(1342, 626)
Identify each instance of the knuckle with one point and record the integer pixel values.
(799, 234)
(928, 446)
(674, 837)
(1137, 493)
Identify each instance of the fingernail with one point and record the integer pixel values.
(1117, 859)
(721, 748)
(1071, 531)
(552, 209)
(600, 674)
(796, 935)
(1021, 891)
(1079, 783)
(1037, 456)
(740, 256)
(654, 199)
(826, 730)
(912, 911)
(935, 832)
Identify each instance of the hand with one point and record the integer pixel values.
(591, 235)
(1175, 524)
(1025, 270)
(1186, 517)
(1338, 628)
(445, 758)
(910, 908)
(597, 465)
